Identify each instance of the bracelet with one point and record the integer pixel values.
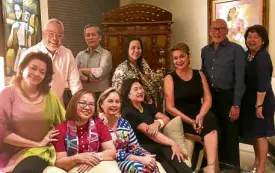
(161, 123)
(99, 156)
(258, 106)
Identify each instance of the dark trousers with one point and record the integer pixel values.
(222, 100)
(163, 155)
(31, 164)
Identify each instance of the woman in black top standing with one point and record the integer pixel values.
(187, 95)
(146, 122)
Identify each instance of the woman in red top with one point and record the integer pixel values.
(83, 140)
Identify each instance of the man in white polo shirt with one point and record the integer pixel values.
(66, 74)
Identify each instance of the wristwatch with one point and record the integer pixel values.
(258, 106)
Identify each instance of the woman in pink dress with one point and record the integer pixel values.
(28, 112)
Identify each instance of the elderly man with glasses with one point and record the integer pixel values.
(223, 63)
(66, 74)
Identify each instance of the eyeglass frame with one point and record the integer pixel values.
(220, 29)
(53, 34)
(90, 105)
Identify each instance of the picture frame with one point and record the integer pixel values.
(21, 29)
(239, 15)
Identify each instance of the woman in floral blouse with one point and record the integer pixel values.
(130, 156)
(135, 66)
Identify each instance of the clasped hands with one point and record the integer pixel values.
(153, 129)
(197, 124)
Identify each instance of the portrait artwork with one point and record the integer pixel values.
(22, 29)
(239, 15)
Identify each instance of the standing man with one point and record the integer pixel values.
(223, 63)
(94, 63)
(66, 74)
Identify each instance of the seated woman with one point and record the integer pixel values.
(187, 95)
(83, 140)
(28, 112)
(146, 122)
(130, 156)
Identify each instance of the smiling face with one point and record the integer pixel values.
(180, 59)
(218, 31)
(112, 104)
(92, 37)
(134, 51)
(34, 73)
(85, 107)
(52, 36)
(136, 93)
(254, 41)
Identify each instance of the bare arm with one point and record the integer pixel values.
(169, 100)
(207, 99)
(109, 150)
(18, 141)
(162, 117)
(159, 138)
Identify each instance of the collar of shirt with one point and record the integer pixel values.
(45, 50)
(98, 49)
(224, 43)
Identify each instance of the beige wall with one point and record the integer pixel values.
(44, 12)
(190, 24)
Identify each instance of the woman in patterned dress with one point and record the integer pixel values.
(134, 66)
(130, 156)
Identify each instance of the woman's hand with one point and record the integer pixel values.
(149, 161)
(103, 119)
(50, 137)
(153, 129)
(259, 112)
(87, 159)
(84, 167)
(176, 151)
(199, 123)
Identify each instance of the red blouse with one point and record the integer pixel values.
(82, 133)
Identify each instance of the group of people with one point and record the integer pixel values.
(119, 127)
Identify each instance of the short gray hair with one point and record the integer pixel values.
(56, 21)
(92, 25)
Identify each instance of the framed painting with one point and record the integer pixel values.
(239, 15)
(22, 29)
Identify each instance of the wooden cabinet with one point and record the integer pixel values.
(151, 23)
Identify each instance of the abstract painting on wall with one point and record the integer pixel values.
(22, 29)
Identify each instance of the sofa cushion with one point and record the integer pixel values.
(174, 130)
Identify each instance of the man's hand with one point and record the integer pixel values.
(234, 112)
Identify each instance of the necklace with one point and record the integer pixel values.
(37, 94)
(140, 109)
(250, 57)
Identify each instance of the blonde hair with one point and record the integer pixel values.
(103, 97)
(181, 47)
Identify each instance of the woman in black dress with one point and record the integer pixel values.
(257, 112)
(187, 95)
(146, 122)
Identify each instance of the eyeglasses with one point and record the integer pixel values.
(221, 29)
(83, 104)
(53, 34)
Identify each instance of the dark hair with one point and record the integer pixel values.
(71, 111)
(125, 91)
(92, 25)
(228, 17)
(126, 52)
(261, 31)
(103, 97)
(44, 86)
